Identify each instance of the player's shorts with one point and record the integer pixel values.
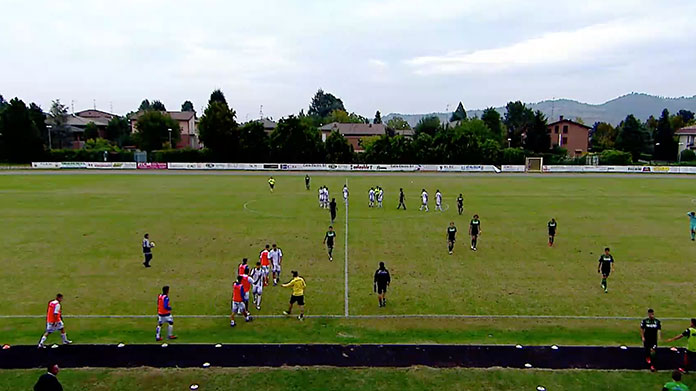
(474, 233)
(238, 307)
(381, 289)
(53, 327)
(275, 268)
(329, 246)
(297, 299)
(246, 296)
(552, 233)
(270, 184)
(257, 289)
(606, 269)
(451, 240)
(649, 345)
(693, 227)
(264, 269)
(162, 319)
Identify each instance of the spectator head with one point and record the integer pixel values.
(53, 368)
(676, 375)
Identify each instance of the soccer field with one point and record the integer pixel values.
(80, 235)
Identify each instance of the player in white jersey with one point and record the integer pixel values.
(438, 200)
(327, 198)
(276, 256)
(321, 197)
(424, 200)
(345, 194)
(371, 196)
(380, 197)
(257, 277)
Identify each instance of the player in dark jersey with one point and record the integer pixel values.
(381, 282)
(329, 241)
(306, 181)
(332, 209)
(460, 204)
(451, 236)
(606, 266)
(401, 199)
(650, 329)
(474, 231)
(552, 231)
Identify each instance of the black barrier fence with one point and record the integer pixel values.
(242, 355)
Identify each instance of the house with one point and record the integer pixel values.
(188, 124)
(571, 135)
(268, 125)
(75, 125)
(687, 138)
(354, 132)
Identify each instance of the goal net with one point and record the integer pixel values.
(534, 164)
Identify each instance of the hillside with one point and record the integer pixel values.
(613, 111)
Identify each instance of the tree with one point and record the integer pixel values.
(686, 115)
(665, 144)
(398, 123)
(3, 102)
(218, 129)
(117, 130)
(537, 136)
(158, 106)
(296, 140)
(145, 105)
(323, 104)
(187, 106)
(491, 118)
(343, 117)
(59, 128)
(20, 140)
(217, 96)
(338, 149)
(253, 143)
(378, 118)
(517, 119)
(91, 131)
(428, 125)
(153, 131)
(38, 117)
(633, 137)
(603, 136)
(459, 114)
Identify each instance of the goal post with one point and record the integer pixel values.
(534, 164)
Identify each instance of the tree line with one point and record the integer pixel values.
(27, 133)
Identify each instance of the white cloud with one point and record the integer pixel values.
(377, 64)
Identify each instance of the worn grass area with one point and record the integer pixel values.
(340, 379)
(80, 235)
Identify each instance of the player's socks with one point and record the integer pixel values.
(66, 341)
(170, 330)
(43, 339)
(232, 324)
(158, 333)
(693, 235)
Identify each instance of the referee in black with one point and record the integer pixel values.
(401, 199)
(382, 280)
(332, 209)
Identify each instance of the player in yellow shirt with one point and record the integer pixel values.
(298, 286)
(271, 183)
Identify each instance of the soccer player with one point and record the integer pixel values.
(650, 333)
(552, 230)
(371, 197)
(326, 197)
(271, 183)
(345, 194)
(424, 200)
(265, 263)
(451, 236)
(246, 283)
(692, 223)
(606, 266)
(690, 354)
(276, 255)
(438, 200)
(238, 306)
(321, 197)
(164, 315)
(298, 286)
(460, 204)
(474, 231)
(306, 181)
(54, 321)
(329, 241)
(401, 199)
(332, 209)
(380, 197)
(243, 268)
(257, 284)
(676, 383)
(147, 249)
(381, 282)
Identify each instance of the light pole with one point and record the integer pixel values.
(509, 141)
(679, 152)
(50, 145)
(170, 138)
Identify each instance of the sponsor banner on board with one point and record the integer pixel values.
(152, 166)
(45, 165)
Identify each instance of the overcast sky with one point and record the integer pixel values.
(409, 56)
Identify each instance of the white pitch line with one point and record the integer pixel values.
(345, 253)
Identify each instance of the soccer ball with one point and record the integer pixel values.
(152, 244)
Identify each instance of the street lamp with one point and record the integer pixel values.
(679, 152)
(50, 146)
(170, 137)
(509, 141)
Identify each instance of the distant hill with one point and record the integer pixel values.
(613, 111)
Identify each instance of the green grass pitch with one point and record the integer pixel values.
(80, 235)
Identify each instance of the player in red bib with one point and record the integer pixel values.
(243, 268)
(264, 257)
(54, 321)
(164, 315)
(238, 306)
